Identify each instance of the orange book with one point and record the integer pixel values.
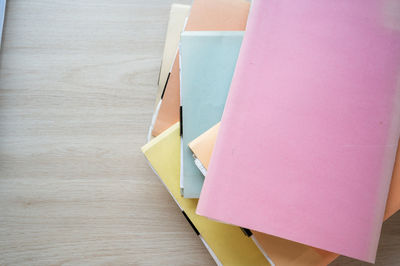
(205, 15)
(282, 251)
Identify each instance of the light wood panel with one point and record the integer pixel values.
(77, 87)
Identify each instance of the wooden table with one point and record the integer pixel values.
(77, 87)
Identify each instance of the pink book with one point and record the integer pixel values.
(317, 85)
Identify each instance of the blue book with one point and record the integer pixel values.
(2, 15)
(207, 61)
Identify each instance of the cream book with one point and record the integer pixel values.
(177, 18)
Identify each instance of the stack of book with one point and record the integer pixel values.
(276, 126)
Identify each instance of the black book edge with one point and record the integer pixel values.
(191, 224)
(181, 120)
(246, 231)
(165, 85)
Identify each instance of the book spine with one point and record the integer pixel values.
(191, 224)
(181, 120)
(246, 231)
(165, 85)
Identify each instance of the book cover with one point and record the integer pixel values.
(317, 85)
(176, 22)
(208, 60)
(282, 251)
(227, 243)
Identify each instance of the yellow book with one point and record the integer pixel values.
(228, 244)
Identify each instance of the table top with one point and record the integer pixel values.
(77, 87)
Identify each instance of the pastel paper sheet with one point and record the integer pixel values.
(317, 85)
(282, 251)
(177, 17)
(227, 243)
(208, 60)
(205, 15)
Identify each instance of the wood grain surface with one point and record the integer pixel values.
(77, 87)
